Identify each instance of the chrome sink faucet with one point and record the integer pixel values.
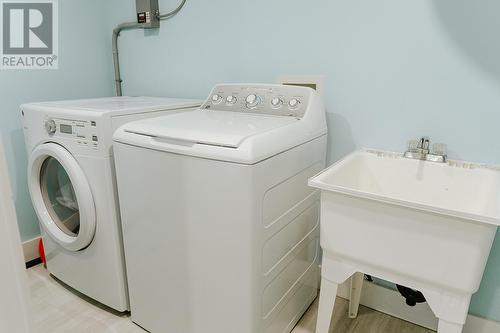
(420, 150)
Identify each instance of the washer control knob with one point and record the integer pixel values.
(50, 127)
(252, 100)
(294, 103)
(276, 102)
(231, 100)
(216, 99)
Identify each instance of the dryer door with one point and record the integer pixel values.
(61, 196)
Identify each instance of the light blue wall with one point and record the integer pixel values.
(83, 72)
(394, 70)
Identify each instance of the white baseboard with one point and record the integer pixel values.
(391, 302)
(30, 249)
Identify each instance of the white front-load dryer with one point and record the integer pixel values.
(71, 179)
(217, 200)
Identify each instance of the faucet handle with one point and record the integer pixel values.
(412, 145)
(424, 143)
(439, 149)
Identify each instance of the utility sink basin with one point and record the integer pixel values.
(425, 225)
(459, 189)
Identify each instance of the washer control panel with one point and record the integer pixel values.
(278, 100)
(83, 132)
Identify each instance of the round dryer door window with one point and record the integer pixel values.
(61, 196)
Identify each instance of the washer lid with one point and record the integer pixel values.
(217, 128)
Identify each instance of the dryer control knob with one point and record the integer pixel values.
(294, 103)
(276, 102)
(216, 99)
(231, 100)
(50, 127)
(252, 100)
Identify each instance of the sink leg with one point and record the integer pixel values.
(356, 286)
(447, 327)
(328, 293)
(451, 309)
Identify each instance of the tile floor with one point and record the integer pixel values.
(57, 309)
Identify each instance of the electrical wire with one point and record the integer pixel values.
(129, 26)
(173, 12)
(116, 58)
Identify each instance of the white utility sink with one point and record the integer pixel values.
(425, 225)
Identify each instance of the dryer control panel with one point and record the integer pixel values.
(277, 100)
(82, 131)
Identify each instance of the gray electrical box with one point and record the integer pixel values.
(147, 13)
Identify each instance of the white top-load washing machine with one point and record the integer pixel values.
(72, 183)
(220, 227)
